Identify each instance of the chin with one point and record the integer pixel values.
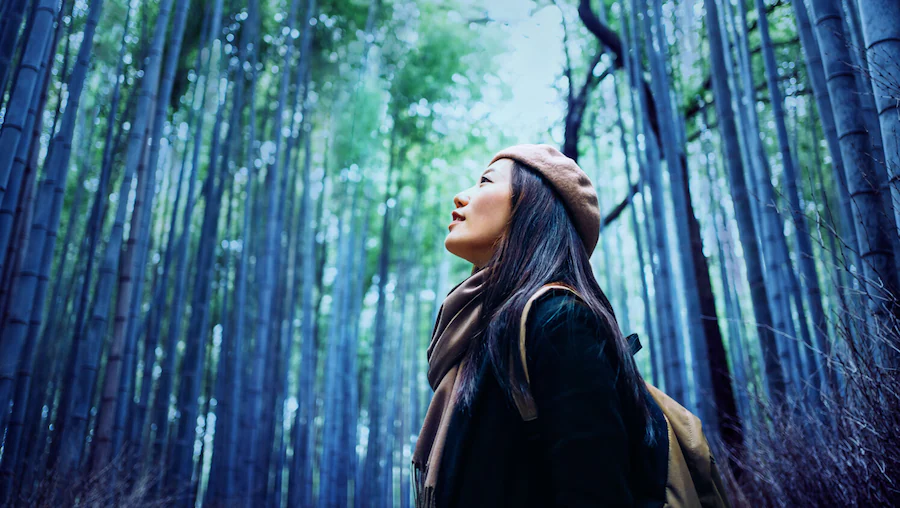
(452, 245)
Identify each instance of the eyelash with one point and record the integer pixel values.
(484, 179)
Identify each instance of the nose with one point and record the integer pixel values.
(461, 199)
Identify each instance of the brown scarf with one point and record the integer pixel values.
(456, 324)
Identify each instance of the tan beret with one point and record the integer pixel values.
(569, 181)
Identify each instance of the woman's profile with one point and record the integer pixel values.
(532, 219)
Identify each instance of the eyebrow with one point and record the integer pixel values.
(488, 170)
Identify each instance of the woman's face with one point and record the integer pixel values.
(482, 214)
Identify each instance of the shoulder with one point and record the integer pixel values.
(561, 309)
(570, 354)
(559, 322)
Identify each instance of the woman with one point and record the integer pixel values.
(531, 219)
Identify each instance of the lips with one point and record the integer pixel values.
(457, 218)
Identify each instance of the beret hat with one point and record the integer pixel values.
(569, 181)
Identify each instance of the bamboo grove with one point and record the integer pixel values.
(222, 223)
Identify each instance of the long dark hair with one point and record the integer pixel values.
(541, 245)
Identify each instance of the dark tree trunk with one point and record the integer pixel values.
(774, 374)
(805, 255)
(372, 488)
(872, 227)
(816, 72)
(300, 488)
(190, 386)
(16, 422)
(680, 190)
(881, 32)
(670, 336)
(27, 84)
(29, 284)
(257, 455)
(9, 32)
(130, 289)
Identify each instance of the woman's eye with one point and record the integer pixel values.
(484, 179)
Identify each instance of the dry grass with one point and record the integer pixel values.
(114, 485)
(844, 453)
(119, 484)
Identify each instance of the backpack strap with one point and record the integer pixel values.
(524, 402)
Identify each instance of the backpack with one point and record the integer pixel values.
(692, 476)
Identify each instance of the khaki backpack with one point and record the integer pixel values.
(692, 476)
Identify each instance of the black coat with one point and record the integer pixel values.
(587, 446)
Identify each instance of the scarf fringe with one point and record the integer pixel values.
(424, 496)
